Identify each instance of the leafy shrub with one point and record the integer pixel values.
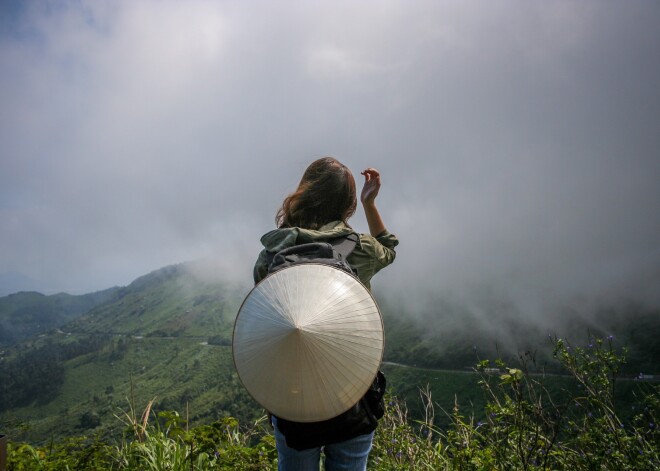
(528, 427)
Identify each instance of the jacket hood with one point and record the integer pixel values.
(279, 239)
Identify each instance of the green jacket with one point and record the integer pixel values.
(371, 254)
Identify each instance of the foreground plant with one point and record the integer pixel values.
(170, 445)
(526, 425)
(401, 443)
(163, 444)
(596, 434)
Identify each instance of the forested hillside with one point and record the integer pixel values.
(167, 336)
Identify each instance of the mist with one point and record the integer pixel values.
(518, 142)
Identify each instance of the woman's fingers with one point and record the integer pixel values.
(371, 185)
(371, 174)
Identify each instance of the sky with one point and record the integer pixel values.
(518, 141)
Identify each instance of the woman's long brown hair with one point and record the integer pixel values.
(326, 193)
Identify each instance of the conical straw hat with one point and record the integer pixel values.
(308, 342)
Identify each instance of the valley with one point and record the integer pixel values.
(167, 337)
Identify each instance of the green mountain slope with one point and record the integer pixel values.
(167, 337)
(177, 373)
(170, 302)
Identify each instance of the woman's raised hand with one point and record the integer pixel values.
(371, 186)
(368, 198)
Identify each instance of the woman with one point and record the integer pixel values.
(319, 210)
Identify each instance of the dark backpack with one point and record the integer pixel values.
(333, 252)
(363, 417)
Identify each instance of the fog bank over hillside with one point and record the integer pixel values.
(494, 305)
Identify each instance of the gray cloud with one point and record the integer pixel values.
(518, 141)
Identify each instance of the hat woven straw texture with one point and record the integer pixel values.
(308, 341)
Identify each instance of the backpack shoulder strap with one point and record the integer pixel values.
(344, 245)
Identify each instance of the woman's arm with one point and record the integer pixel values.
(368, 198)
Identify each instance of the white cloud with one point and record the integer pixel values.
(517, 141)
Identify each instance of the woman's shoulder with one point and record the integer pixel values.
(280, 238)
(372, 254)
(385, 239)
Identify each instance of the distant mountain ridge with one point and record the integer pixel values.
(172, 301)
(27, 313)
(12, 282)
